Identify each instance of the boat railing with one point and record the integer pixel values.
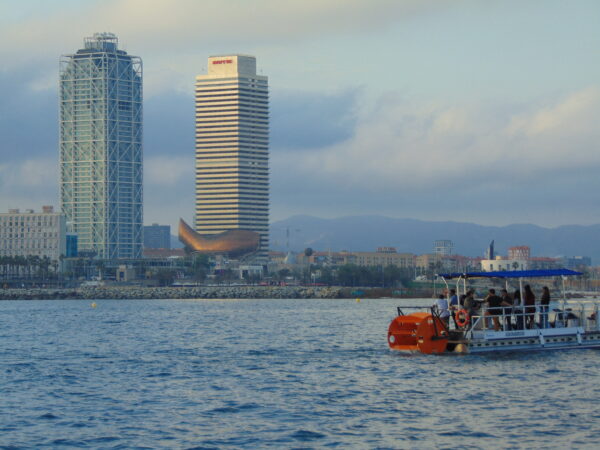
(533, 317)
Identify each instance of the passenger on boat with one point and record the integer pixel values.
(494, 308)
(441, 305)
(544, 305)
(470, 304)
(453, 298)
(454, 305)
(507, 308)
(529, 297)
(518, 311)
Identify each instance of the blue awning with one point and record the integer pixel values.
(512, 274)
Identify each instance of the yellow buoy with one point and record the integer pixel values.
(94, 305)
(358, 300)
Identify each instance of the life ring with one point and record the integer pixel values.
(462, 317)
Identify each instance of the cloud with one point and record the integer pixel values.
(489, 163)
(28, 118)
(163, 24)
(169, 125)
(168, 170)
(301, 120)
(168, 189)
(406, 146)
(29, 183)
(30, 173)
(171, 34)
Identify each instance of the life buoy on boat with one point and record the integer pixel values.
(462, 317)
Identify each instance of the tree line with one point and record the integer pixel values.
(29, 266)
(349, 275)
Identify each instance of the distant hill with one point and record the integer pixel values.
(366, 233)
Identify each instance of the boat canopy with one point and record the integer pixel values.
(511, 274)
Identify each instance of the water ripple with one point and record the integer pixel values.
(271, 374)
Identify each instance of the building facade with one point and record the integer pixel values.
(519, 252)
(232, 149)
(384, 259)
(30, 233)
(429, 261)
(575, 262)
(101, 147)
(157, 236)
(504, 264)
(443, 247)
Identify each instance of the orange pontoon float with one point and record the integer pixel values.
(422, 332)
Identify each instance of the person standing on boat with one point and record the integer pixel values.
(454, 305)
(494, 308)
(518, 311)
(471, 305)
(453, 298)
(544, 305)
(441, 305)
(507, 308)
(529, 297)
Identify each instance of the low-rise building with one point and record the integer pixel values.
(163, 253)
(543, 263)
(576, 262)
(499, 263)
(30, 233)
(443, 247)
(520, 252)
(386, 258)
(157, 236)
(429, 261)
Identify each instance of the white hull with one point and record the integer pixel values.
(538, 339)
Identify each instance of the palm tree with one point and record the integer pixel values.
(44, 264)
(4, 265)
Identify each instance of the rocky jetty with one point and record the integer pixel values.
(141, 293)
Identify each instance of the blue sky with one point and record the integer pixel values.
(480, 111)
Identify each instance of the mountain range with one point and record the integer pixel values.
(366, 233)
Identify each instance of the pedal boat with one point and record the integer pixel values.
(568, 326)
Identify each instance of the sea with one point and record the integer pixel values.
(213, 374)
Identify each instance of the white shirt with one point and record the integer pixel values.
(441, 305)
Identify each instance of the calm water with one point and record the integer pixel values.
(272, 373)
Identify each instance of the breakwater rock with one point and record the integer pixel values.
(141, 293)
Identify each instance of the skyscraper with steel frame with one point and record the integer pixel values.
(232, 148)
(101, 147)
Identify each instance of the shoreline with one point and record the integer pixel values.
(197, 292)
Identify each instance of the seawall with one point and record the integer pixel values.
(142, 293)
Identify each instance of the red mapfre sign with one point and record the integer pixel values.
(223, 61)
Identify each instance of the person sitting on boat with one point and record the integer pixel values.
(544, 305)
(529, 297)
(441, 305)
(494, 308)
(507, 308)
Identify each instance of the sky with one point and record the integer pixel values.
(466, 110)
